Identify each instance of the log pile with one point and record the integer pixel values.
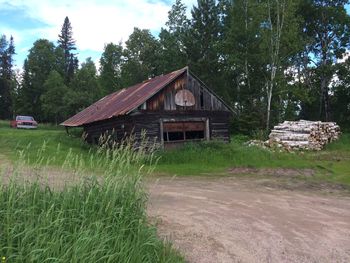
(303, 135)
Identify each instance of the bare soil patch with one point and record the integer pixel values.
(233, 219)
(239, 219)
(56, 178)
(289, 172)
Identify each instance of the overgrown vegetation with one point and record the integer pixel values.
(96, 219)
(331, 164)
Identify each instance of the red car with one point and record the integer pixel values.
(24, 122)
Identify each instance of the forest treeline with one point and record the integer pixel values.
(271, 60)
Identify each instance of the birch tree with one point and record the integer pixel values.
(243, 63)
(279, 37)
(276, 29)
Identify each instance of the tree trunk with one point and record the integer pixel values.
(274, 49)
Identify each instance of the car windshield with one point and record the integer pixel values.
(24, 118)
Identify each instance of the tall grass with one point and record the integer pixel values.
(99, 219)
(331, 164)
(216, 156)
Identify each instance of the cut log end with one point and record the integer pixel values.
(303, 135)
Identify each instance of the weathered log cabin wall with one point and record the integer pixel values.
(118, 128)
(161, 108)
(150, 122)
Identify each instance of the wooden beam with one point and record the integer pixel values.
(207, 130)
(161, 132)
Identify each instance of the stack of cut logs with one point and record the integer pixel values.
(305, 135)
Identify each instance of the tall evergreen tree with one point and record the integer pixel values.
(7, 80)
(67, 43)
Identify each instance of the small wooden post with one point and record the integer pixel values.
(161, 132)
(207, 130)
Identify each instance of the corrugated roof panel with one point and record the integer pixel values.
(123, 101)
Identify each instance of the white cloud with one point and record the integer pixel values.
(345, 57)
(96, 22)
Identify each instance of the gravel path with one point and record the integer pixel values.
(231, 219)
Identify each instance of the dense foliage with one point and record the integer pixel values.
(271, 60)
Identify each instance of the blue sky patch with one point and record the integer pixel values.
(18, 18)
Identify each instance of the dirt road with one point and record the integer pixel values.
(232, 219)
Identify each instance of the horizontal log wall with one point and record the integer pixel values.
(219, 127)
(119, 128)
(150, 123)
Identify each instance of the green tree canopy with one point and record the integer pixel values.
(85, 88)
(110, 68)
(53, 106)
(327, 30)
(172, 39)
(202, 43)
(7, 78)
(141, 57)
(37, 67)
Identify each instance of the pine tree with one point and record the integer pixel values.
(67, 43)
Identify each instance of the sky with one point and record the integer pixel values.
(94, 22)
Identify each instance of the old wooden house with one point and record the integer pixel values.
(172, 109)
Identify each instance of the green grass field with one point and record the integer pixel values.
(332, 164)
(57, 143)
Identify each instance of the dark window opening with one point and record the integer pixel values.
(183, 131)
(194, 135)
(173, 136)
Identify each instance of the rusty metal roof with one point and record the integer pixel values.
(123, 101)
